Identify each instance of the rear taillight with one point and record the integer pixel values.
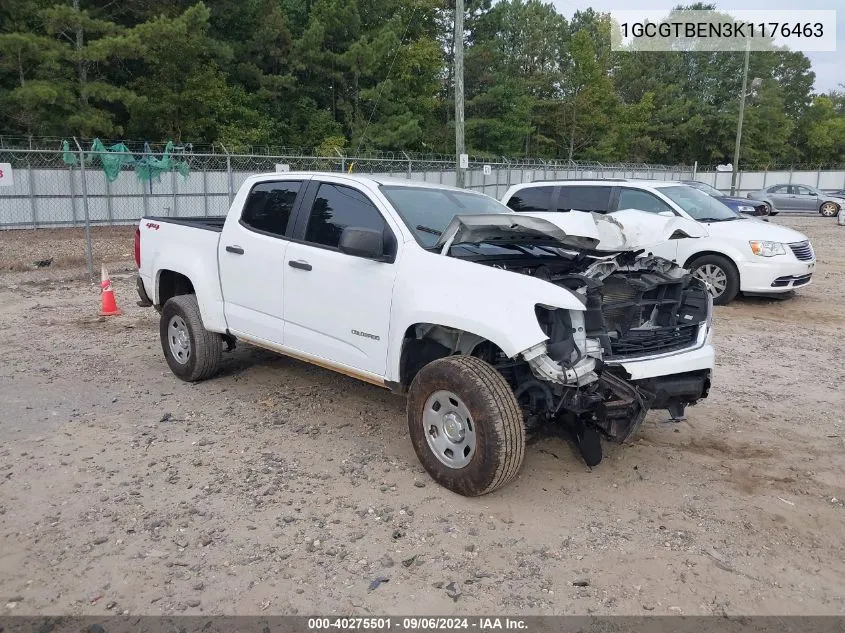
(138, 247)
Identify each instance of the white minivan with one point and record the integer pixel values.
(740, 254)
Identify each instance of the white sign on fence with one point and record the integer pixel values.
(487, 169)
(282, 167)
(463, 161)
(6, 178)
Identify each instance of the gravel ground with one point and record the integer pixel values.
(281, 488)
(20, 250)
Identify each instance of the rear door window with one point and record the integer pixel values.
(269, 206)
(531, 199)
(584, 198)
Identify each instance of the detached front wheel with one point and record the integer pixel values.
(466, 425)
(192, 352)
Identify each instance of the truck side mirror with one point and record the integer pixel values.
(367, 243)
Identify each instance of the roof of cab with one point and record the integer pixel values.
(373, 179)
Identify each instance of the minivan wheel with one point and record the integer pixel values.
(720, 275)
(829, 209)
(466, 425)
(192, 352)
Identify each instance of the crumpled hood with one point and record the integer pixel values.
(621, 231)
(514, 228)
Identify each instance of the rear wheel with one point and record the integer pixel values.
(829, 209)
(192, 352)
(720, 275)
(466, 425)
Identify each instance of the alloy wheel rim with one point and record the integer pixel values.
(715, 278)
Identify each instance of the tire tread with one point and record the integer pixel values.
(507, 422)
(207, 349)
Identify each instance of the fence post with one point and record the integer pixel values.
(790, 173)
(108, 198)
(739, 183)
(144, 195)
(818, 176)
(342, 160)
(498, 173)
(410, 170)
(72, 188)
(695, 170)
(89, 251)
(205, 191)
(230, 185)
(174, 191)
(32, 205)
(765, 175)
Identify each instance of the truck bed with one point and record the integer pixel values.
(212, 223)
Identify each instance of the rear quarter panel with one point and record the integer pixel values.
(189, 251)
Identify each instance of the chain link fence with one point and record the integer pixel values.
(43, 189)
(70, 188)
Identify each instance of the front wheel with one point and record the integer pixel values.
(466, 425)
(192, 352)
(720, 275)
(829, 209)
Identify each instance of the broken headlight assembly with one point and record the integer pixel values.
(764, 248)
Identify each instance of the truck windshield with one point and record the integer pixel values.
(699, 205)
(428, 211)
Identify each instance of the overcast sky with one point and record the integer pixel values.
(829, 69)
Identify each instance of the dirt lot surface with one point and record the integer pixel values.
(279, 487)
(25, 250)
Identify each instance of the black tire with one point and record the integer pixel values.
(772, 213)
(727, 267)
(494, 417)
(829, 210)
(205, 348)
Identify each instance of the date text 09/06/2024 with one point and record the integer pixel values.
(482, 624)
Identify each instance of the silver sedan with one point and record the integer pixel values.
(800, 198)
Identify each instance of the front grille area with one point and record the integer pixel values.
(655, 341)
(648, 313)
(802, 250)
(797, 280)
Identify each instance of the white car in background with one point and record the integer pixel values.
(740, 253)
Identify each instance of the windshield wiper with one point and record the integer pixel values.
(426, 229)
(717, 219)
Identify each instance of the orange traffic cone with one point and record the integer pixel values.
(109, 305)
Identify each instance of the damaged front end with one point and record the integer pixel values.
(637, 311)
(636, 308)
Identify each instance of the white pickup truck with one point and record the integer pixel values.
(495, 324)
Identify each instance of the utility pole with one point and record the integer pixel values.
(741, 114)
(460, 147)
